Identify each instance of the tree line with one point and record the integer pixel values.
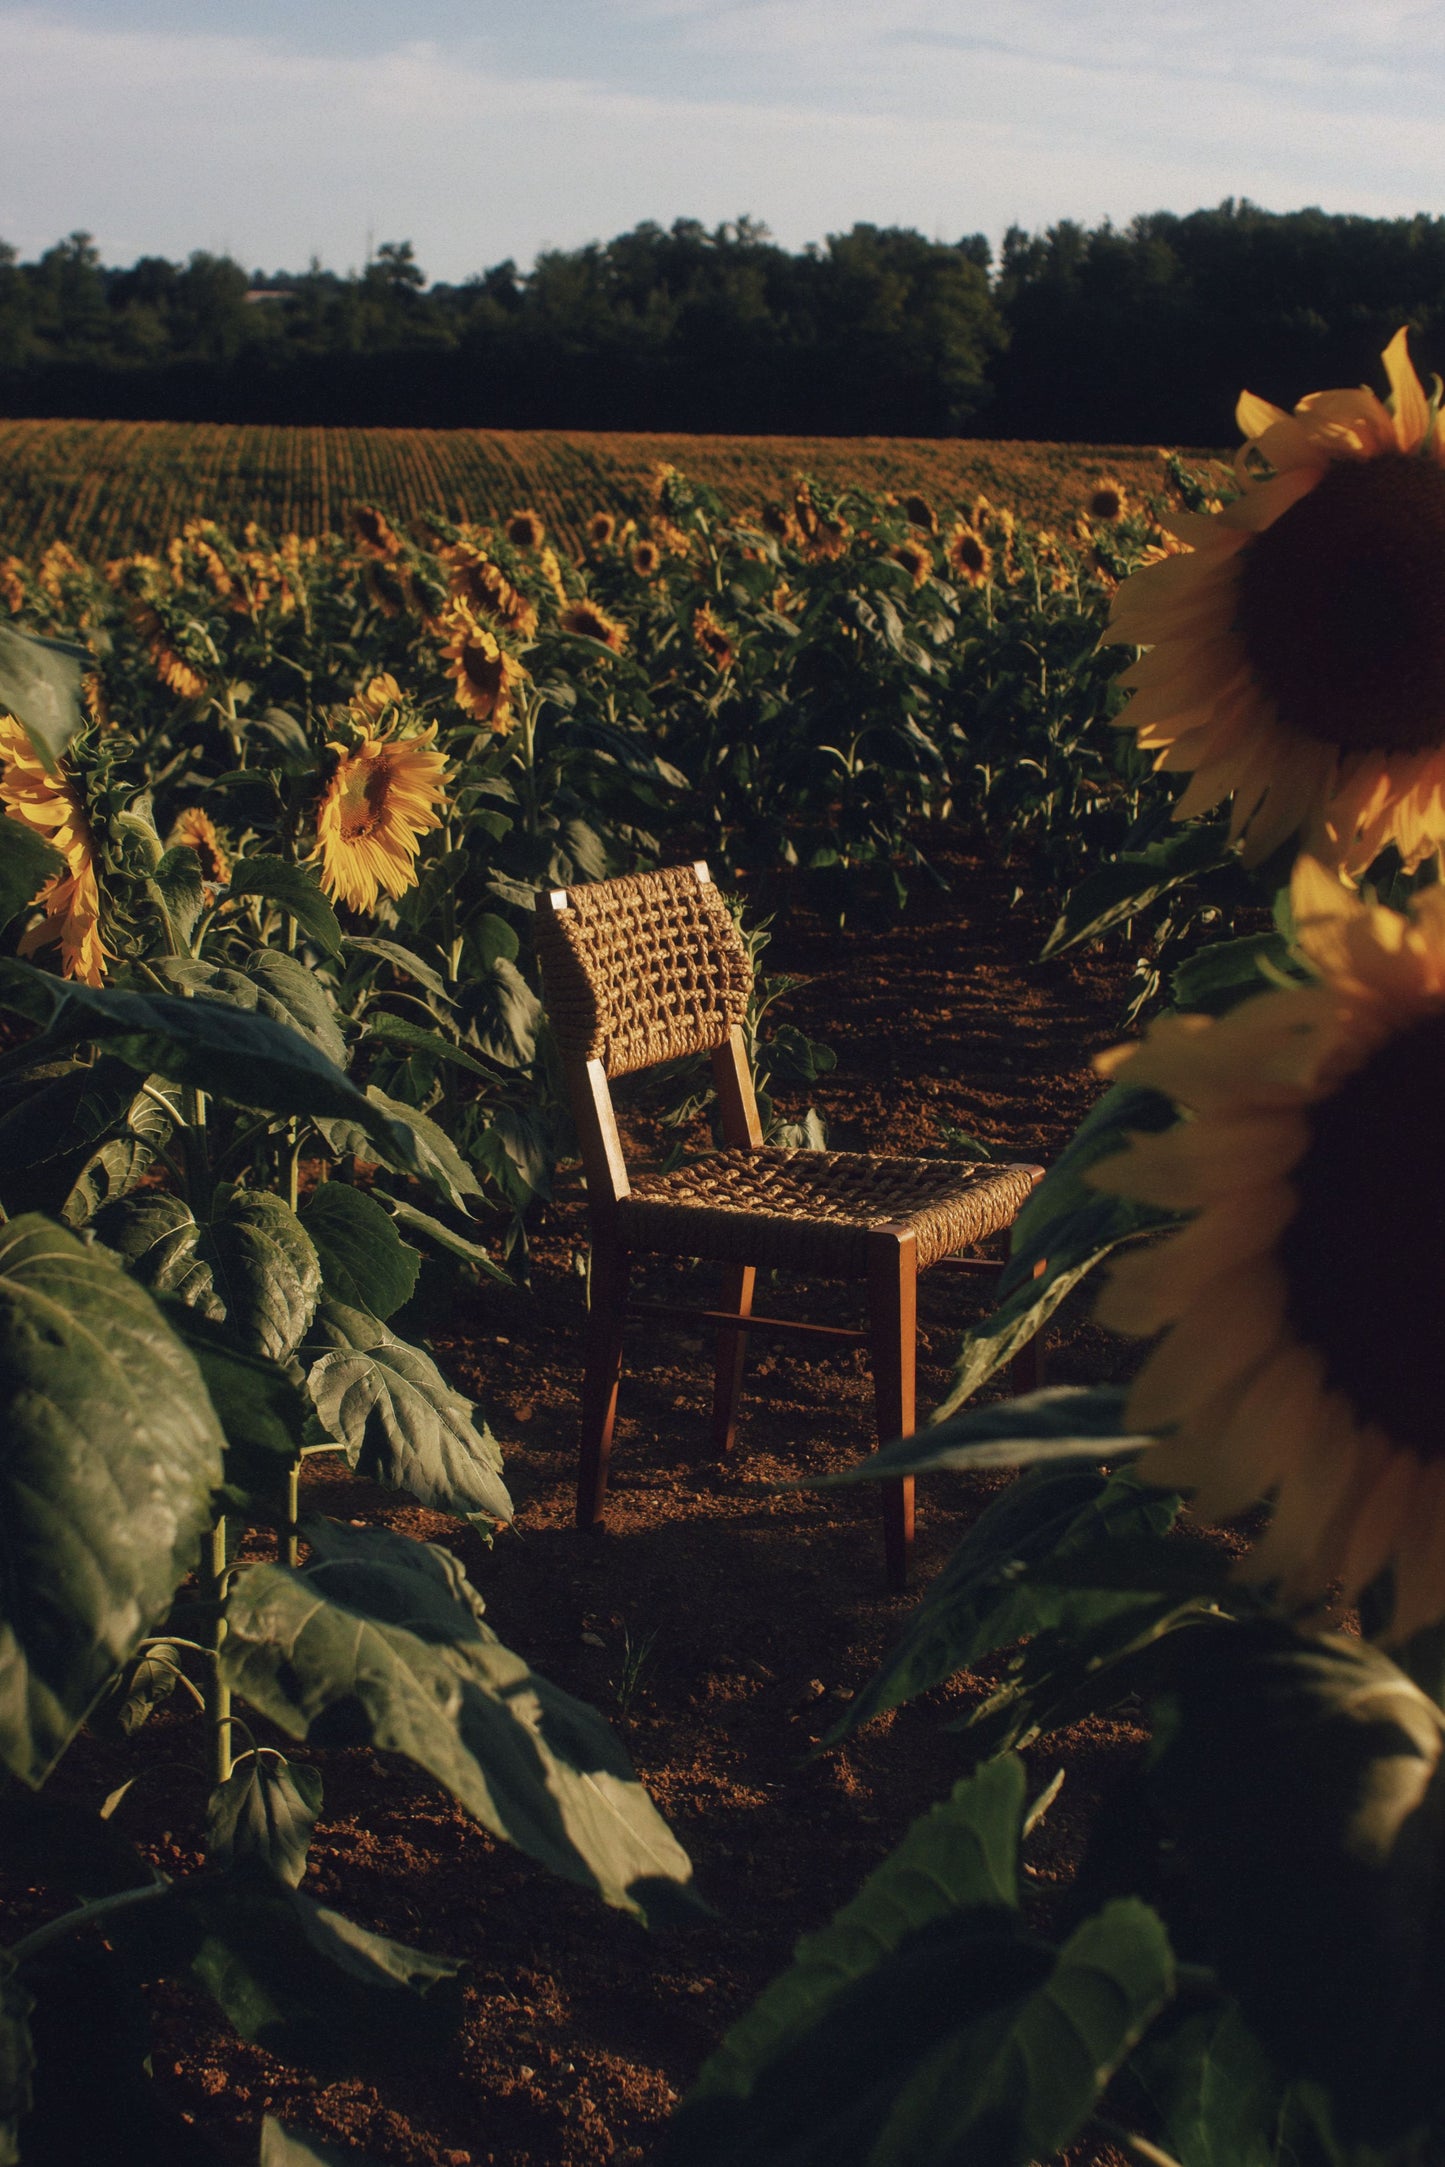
(1130, 334)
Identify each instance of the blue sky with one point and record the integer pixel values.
(481, 131)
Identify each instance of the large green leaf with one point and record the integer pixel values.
(1065, 1422)
(1135, 879)
(27, 861)
(395, 1035)
(986, 1598)
(40, 683)
(297, 1979)
(364, 1261)
(506, 1014)
(296, 890)
(399, 1419)
(246, 1059)
(1020, 2087)
(266, 1271)
(1203, 2075)
(272, 984)
(381, 1640)
(73, 1135)
(251, 1267)
(161, 1243)
(961, 1855)
(1217, 978)
(429, 1150)
(117, 1167)
(401, 959)
(262, 1409)
(445, 1237)
(1302, 1782)
(265, 1811)
(109, 1452)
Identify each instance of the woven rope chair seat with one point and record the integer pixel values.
(812, 1211)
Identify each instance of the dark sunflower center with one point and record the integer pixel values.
(1339, 607)
(1364, 1255)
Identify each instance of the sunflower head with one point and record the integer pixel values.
(1297, 651)
(525, 530)
(586, 621)
(777, 520)
(12, 585)
(970, 556)
(385, 587)
(487, 592)
(646, 559)
(550, 566)
(51, 806)
(920, 513)
(485, 675)
(381, 798)
(1107, 501)
(374, 532)
(197, 831)
(600, 529)
(1302, 1353)
(916, 559)
(711, 639)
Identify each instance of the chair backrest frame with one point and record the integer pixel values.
(603, 1161)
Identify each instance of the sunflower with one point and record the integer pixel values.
(970, 556)
(484, 673)
(1297, 653)
(12, 585)
(590, 623)
(1303, 1354)
(97, 706)
(1107, 501)
(380, 801)
(197, 831)
(551, 571)
(920, 513)
(373, 530)
(375, 697)
(173, 670)
(525, 530)
(712, 639)
(51, 806)
(778, 522)
(646, 559)
(487, 592)
(916, 559)
(385, 587)
(600, 529)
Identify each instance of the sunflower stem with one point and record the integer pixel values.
(218, 1693)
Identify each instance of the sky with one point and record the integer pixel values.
(287, 129)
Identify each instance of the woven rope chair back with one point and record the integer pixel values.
(643, 969)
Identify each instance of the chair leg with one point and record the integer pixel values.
(893, 1331)
(600, 1378)
(737, 1298)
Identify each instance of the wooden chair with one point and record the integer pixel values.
(650, 968)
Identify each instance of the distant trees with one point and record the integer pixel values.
(1135, 334)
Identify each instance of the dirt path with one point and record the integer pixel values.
(721, 1623)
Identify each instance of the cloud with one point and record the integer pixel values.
(809, 113)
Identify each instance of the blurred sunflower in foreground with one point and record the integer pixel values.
(51, 806)
(380, 801)
(1304, 1353)
(1297, 652)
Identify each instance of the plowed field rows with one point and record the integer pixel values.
(107, 487)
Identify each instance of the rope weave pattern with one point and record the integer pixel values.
(812, 1211)
(642, 969)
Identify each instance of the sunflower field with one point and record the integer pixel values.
(276, 811)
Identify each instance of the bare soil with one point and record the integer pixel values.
(721, 1622)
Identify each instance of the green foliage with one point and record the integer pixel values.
(265, 1810)
(382, 1640)
(40, 686)
(110, 1454)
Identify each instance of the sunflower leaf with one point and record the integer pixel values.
(457, 1245)
(265, 1810)
(40, 685)
(364, 1261)
(1133, 880)
(272, 984)
(1066, 1422)
(322, 1653)
(109, 1452)
(297, 892)
(399, 1419)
